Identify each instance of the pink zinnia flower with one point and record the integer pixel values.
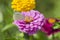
(48, 26)
(32, 22)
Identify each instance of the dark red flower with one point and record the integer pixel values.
(48, 26)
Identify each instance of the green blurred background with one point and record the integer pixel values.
(50, 8)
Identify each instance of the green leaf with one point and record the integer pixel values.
(57, 25)
(41, 36)
(19, 35)
(1, 16)
(57, 35)
(7, 27)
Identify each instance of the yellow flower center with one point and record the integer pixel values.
(51, 20)
(23, 5)
(28, 19)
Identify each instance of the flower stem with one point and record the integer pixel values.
(53, 35)
(31, 37)
(28, 37)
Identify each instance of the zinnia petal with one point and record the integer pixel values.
(31, 27)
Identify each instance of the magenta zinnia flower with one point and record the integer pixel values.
(48, 26)
(32, 22)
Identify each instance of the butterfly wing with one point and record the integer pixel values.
(18, 16)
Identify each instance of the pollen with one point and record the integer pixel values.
(51, 20)
(28, 19)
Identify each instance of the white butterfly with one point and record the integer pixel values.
(18, 16)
